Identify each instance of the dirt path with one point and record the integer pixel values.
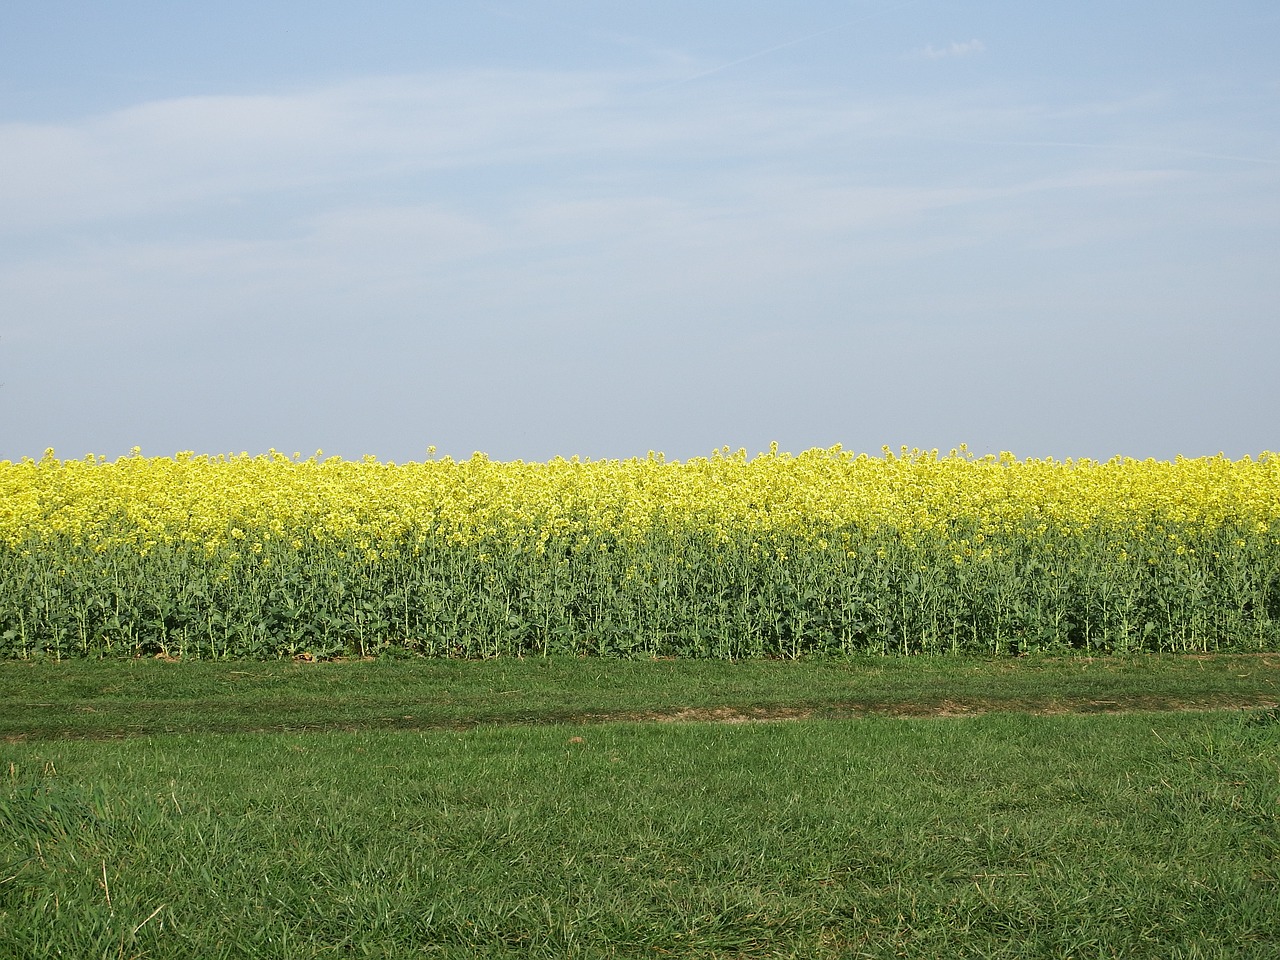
(924, 710)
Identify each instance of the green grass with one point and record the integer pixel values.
(1004, 834)
(44, 698)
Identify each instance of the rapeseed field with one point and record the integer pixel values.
(777, 555)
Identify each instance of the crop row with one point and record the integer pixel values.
(824, 552)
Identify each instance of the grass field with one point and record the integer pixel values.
(924, 807)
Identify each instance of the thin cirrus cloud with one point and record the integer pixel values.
(967, 48)
(521, 133)
(555, 198)
(586, 180)
(166, 153)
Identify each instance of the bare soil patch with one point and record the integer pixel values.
(941, 709)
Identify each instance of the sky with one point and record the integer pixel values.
(559, 227)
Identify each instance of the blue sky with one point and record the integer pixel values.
(597, 228)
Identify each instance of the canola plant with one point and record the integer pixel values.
(824, 552)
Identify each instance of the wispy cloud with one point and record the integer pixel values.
(542, 196)
(967, 48)
(482, 140)
(168, 155)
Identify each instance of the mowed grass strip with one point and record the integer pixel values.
(45, 698)
(1002, 835)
